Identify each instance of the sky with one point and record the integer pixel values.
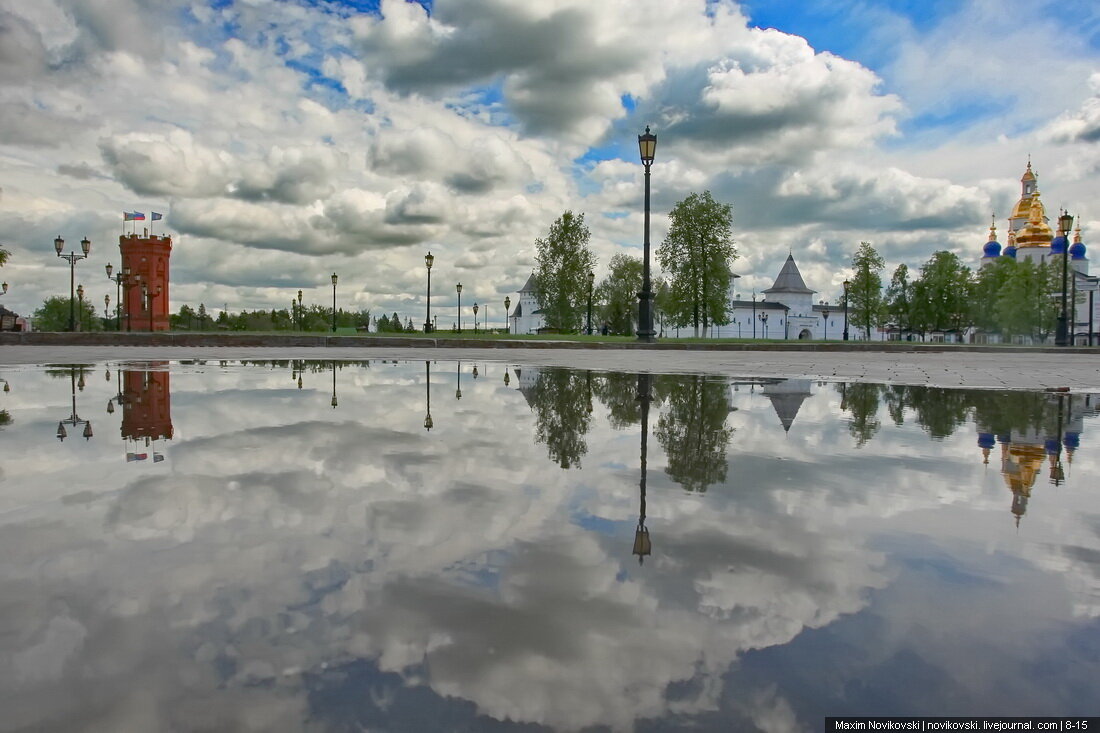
(287, 140)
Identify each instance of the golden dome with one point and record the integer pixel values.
(1036, 232)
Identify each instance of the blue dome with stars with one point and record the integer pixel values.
(1058, 245)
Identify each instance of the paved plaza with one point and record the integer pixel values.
(1079, 372)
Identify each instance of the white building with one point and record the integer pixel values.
(526, 316)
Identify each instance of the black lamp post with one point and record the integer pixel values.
(647, 146)
(1065, 223)
(80, 299)
(507, 311)
(642, 545)
(73, 418)
(754, 314)
(301, 315)
(458, 288)
(475, 317)
(107, 307)
(333, 403)
(846, 285)
(825, 312)
(458, 381)
(428, 422)
(429, 259)
(764, 323)
(334, 278)
(591, 279)
(72, 257)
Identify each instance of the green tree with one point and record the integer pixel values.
(1026, 305)
(562, 402)
(696, 255)
(53, 315)
(945, 291)
(693, 431)
(861, 400)
(865, 290)
(986, 290)
(618, 293)
(4, 255)
(564, 261)
(899, 299)
(184, 319)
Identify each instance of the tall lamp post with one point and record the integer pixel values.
(475, 317)
(764, 323)
(72, 257)
(107, 307)
(334, 278)
(754, 314)
(458, 288)
(301, 315)
(642, 545)
(507, 311)
(429, 259)
(80, 299)
(1065, 223)
(825, 312)
(428, 422)
(647, 146)
(74, 419)
(591, 279)
(846, 285)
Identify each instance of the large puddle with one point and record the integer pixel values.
(337, 546)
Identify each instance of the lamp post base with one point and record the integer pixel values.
(1061, 333)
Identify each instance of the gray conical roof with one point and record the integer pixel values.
(531, 286)
(789, 279)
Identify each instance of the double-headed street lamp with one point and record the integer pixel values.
(458, 288)
(72, 257)
(334, 279)
(591, 279)
(764, 323)
(846, 286)
(1065, 224)
(429, 260)
(825, 312)
(507, 311)
(122, 279)
(647, 146)
(73, 418)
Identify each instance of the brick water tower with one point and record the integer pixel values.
(145, 280)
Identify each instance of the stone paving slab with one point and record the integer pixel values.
(1080, 372)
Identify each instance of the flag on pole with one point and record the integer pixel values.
(157, 216)
(137, 216)
(127, 216)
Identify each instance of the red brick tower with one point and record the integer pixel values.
(146, 408)
(145, 296)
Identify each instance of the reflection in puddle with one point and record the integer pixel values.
(454, 546)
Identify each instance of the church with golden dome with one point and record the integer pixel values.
(1031, 238)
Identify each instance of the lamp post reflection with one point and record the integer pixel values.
(73, 418)
(458, 381)
(428, 423)
(334, 385)
(642, 545)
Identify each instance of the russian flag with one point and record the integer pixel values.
(127, 216)
(137, 216)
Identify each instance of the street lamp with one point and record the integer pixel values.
(301, 315)
(507, 311)
(80, 299)
(334, 278)
(458, 381)
(642, 545)
(459, 289)
(647, 146)
(429, 259)
(73, 418)
(825, 312)
(1065, 223)
(591, 279)
(428, 422)
(107, 308)
(846, 285)
(754, 314)
(475, 317)
(764, 323)
(72, 257)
